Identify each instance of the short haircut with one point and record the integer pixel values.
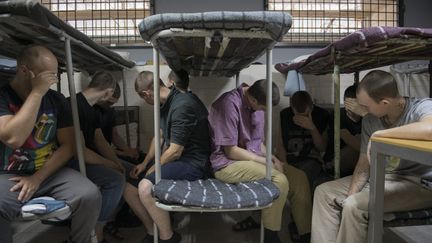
(350, 92)
(102, 80)
(116, 93)
(300, 101)
(379, 85)
(180, 79)
(145, 81)
(258, 91)
(31, 53)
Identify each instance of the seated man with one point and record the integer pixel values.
(37, 140)
(180, 79)
(186, 147)
(350, 130)
(102, 165)
(340, 212)
(106, 116)
(238, 154)
(303, 127)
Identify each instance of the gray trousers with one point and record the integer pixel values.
(331, 224)
(66, 184)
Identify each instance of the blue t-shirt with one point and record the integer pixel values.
(54, 113)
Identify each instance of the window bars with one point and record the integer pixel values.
(107, 22)
(323, 21)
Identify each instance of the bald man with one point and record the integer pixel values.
(36, 142)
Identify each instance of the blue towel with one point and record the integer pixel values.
(42, 205)
(294, 83)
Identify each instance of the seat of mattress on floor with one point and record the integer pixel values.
(212, 194)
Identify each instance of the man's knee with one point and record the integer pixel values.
(9, 210)
(281, 182)
(298, 181)
(322, 191)
(144, 188)
(354, 203)
(90, 196)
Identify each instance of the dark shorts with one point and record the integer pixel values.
(174, 170)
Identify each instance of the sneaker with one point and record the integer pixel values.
(175, 238)
(148, 239)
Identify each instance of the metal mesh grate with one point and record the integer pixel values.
(108, 22)
(323, 21)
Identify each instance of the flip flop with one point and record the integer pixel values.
(246, 224)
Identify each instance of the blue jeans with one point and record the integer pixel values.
(111, 184)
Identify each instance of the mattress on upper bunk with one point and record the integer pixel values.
(214, 43)
(24, 22)
(365, 49)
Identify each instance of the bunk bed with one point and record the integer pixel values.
(25, 22)
(224, 43)
(362, 50)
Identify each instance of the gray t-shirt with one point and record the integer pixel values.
(415, 110)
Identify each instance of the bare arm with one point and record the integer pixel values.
(360, 176)
(30, 184)
(91, 157)
(151, 152)
(237, 153)
(306, 122)
(15, 129)
(280, 149)
(353, 141)
(319, 140)
(103, 146)
(173, 152)
(138, 169)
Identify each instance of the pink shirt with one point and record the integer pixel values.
(233, 123)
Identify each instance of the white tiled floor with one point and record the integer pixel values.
(206, 228)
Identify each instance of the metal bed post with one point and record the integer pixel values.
(430, 78)
(269, 115)
(268, 127)
(125, 106)
(237, 78)
(76, 122)
(75, 117)
(356, 77)
(336, 82)
(156, 111)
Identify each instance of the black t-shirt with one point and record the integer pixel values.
(54, 113)
(89, 121)
(184, 122)
(345, 123)
(298, 141)
(107, 121)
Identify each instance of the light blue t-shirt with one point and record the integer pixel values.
(415, 110)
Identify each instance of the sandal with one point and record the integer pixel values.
(246, 224)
